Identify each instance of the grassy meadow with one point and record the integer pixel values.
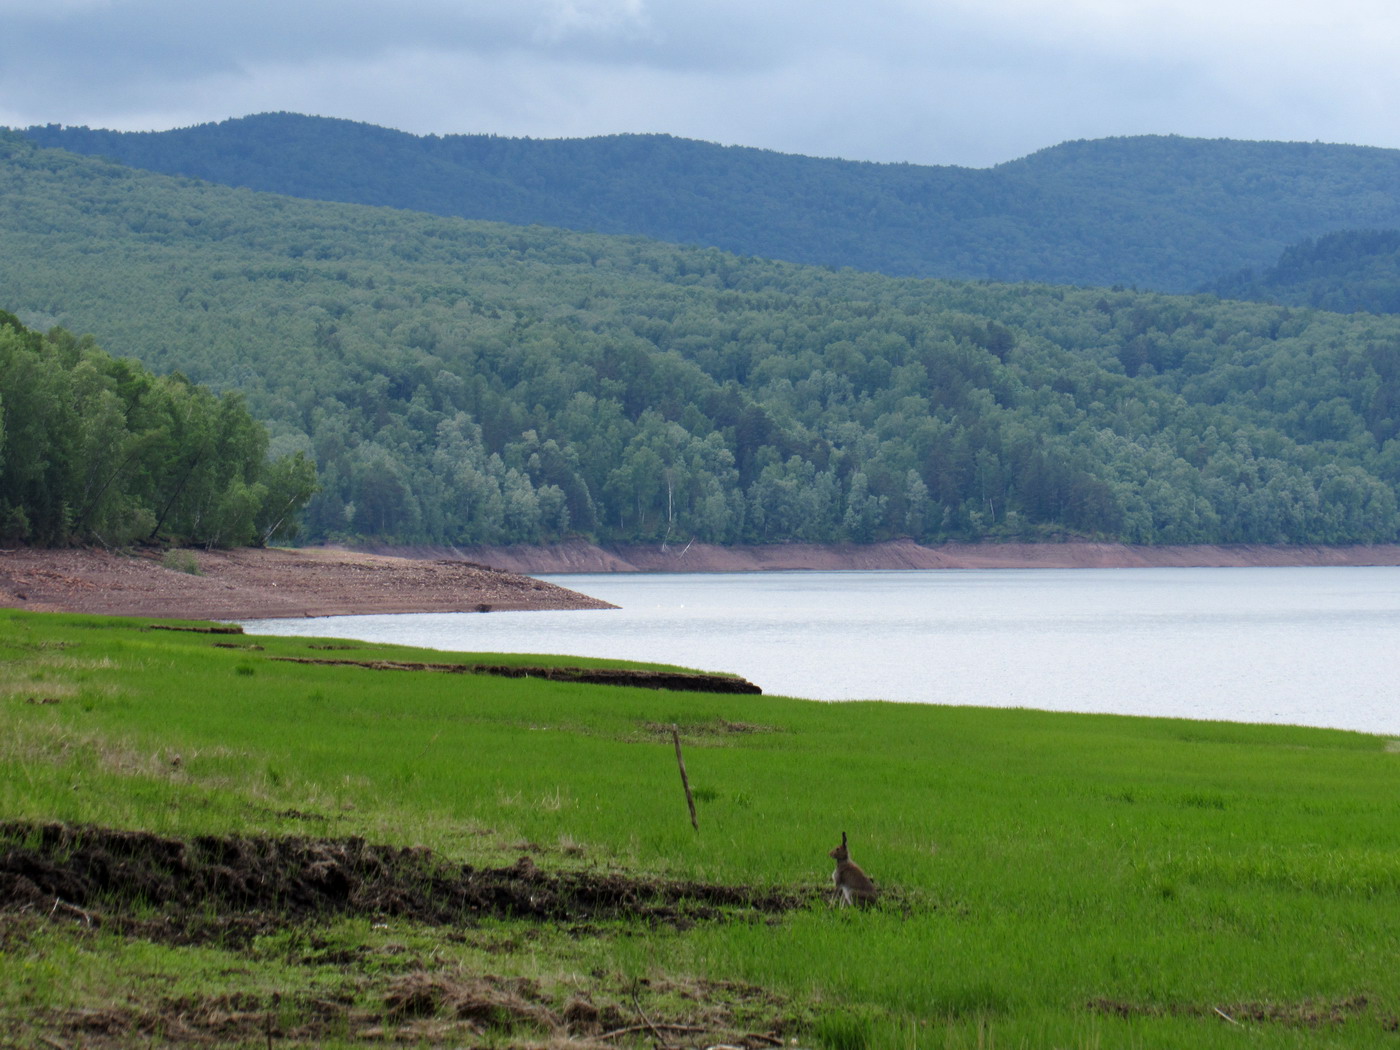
(1049, 880)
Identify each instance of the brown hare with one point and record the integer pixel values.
(853, 884)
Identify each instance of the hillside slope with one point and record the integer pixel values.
(474, 383)
(1166, 213)
(1348, 271)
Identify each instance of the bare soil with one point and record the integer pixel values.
(231, 893)
(250, 584)
(579, 556)
(265, 583)
(233, 888)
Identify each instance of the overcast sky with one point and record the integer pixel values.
(971, 82)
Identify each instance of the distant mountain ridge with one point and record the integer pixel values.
(1161, 212)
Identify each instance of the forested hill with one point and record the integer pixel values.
(1347, 271)
(1165, 213)
(466, 382)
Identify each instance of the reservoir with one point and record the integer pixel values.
(1307, 646)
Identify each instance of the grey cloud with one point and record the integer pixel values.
(151, 39)
(219, 35)
(930, 81)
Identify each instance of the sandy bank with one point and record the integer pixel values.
(263, 584)
(579, 557)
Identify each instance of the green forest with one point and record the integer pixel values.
(1159, 212)
(1348, 271)
(95, 449)
(463, 382)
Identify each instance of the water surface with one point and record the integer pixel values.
(1310, 646)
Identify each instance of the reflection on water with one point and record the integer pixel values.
(1312, 646)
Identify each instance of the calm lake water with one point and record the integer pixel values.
(1309, 646)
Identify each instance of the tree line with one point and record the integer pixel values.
(97, 449)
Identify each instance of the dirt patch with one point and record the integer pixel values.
(249, 584)
(435, 1008)
(679, 681)
(226, 892)
(702, 732)
(208, 628)
(488, 1001)
(230, 889)
(237, 1019)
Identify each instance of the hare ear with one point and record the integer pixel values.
(843, 838)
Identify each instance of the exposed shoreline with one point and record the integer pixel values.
(256, 584)
(582, 557)
(265, 583)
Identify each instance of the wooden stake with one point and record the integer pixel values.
(685, 780)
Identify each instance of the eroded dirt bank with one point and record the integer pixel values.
(899, 554)
(231, 887)
(244, 896)
(265, 583)
(674, 681)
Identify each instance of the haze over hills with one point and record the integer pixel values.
(469, 382)
(1165, 213)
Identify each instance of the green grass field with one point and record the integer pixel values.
(1048, 880)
